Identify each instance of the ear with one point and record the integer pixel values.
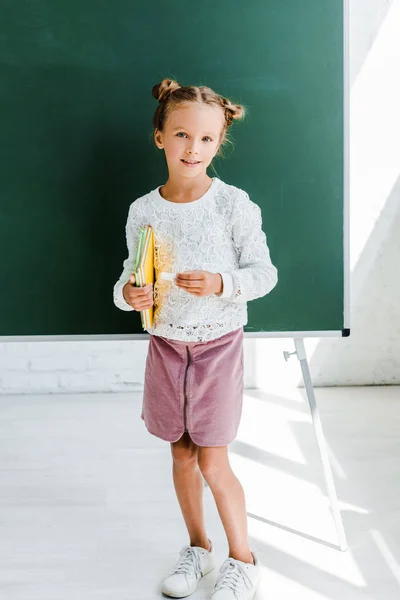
(158, 139)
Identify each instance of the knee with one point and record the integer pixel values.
(184, 454)
(211, 469)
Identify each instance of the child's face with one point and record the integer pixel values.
(192, 132)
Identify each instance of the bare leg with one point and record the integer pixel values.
(229, 498)
(188, 483)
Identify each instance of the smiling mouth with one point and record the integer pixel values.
(190, 162)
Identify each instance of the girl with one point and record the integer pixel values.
(208, 236)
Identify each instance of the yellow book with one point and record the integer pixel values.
(144, 268)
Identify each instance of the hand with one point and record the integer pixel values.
(140, 298)
(200, 283)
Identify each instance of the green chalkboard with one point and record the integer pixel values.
(76, 149)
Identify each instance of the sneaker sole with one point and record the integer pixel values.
(189, 593)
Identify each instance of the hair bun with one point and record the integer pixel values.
(162, 90)
(233, 111)
(237, 111)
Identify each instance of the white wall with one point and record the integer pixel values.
(372, 354)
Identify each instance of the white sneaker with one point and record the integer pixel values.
(194, 562)
(237, 580)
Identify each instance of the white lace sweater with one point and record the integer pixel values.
(221, 233)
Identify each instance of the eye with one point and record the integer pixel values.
(181, 133)
(207, 137)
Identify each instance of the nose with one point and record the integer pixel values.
(192, 149)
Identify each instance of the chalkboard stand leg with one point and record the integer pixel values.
(330, 484)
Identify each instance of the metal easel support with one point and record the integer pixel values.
(329, 481)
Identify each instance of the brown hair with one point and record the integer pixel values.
(170, 95)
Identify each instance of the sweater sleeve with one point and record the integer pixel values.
(256, 275)
(132, 230)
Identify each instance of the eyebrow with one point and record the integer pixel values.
(205, 133)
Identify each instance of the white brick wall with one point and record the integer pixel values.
(64, 367)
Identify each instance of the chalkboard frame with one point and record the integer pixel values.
(345, 331)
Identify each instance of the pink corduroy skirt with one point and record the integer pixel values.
(195, 387)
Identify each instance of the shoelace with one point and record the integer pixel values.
(233, 573)
(190, 562)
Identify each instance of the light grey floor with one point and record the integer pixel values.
(88, 511)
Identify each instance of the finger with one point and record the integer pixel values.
(144, 291)
(146, 297)
(191, 275)
(143, 305)
(138, 293)
(197, 283)
(132, 280)
(188, 281)
(190, 284)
